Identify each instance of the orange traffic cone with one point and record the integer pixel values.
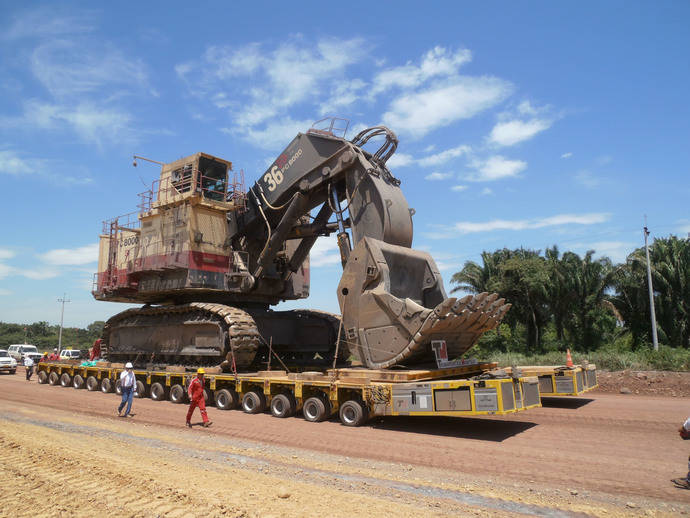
(568, 358)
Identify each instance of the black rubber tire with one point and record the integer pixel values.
(42, 377)
(158, 392)
(118, 387)
(283, 405)
(53, 378)
(316, 409)
(353, 413)
(14, 371)
(177, 394)
(92, 383)
(66, 380)
(106, 385)
(141, 389)
(207, 396)
(78, 382)
(226, 399)
(253, 402)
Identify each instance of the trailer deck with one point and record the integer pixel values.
(355, 395)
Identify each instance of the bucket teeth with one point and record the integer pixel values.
(460, 322)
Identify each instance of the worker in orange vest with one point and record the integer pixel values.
(196, 396)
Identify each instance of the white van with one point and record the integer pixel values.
(18, 351)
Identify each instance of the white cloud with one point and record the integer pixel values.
(403, 160)
(617, 251)
(511, 132)
(38, 275)
(458, 188)
(5, 270)
(6, 254)
(495, 168)
(566, 155)
(437, 62)
(46, 23)
(400, 160)
(444, 156)
(291, 73)
(587, 179)
(4, 292)
(459, 98)
(275, 135)
(325, 252)
(93, 123)
(344, 94)
(438, 176)
(526, 108)
(486, 191)
(12, 163)
(467, 227)
(69, 68)
(74, 256)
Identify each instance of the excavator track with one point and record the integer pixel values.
(195, 333)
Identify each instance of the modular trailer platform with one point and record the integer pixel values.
(354, 394)
(560, 380)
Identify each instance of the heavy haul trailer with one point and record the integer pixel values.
(562, 380)
(355, 395)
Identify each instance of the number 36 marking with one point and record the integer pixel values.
(273, 178)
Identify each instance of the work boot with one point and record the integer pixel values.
(189, 424)
(207, 424)
(681, 482)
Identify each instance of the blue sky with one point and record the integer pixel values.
(520, 124)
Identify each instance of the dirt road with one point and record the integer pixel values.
(68, 453)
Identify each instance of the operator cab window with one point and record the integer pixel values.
(214, 178)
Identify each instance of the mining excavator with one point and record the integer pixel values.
(208, 259)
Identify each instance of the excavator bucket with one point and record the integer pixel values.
(394, 304)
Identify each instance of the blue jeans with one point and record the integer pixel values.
(127, 397)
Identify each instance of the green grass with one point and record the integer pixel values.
(665, 359)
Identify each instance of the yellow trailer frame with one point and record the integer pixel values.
(354, 394)
(559, 380)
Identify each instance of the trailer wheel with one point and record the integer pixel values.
(158, 392)
(106, 385)
(53, 378)
(91, 383)
(353, 413)
(254, 402)
(316, 409)
(42, 377)
(226, 399)
(78, 382)
(65, 380)
(177, 393)
(141, 389)
(207, 396)
(282, 405)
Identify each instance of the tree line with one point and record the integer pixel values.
(566, 300)
(45, 336)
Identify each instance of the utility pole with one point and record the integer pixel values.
(655, 340)
(62, 318)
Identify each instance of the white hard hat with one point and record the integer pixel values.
(128, 365)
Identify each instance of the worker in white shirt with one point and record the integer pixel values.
(128, 383)
(29, 366)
